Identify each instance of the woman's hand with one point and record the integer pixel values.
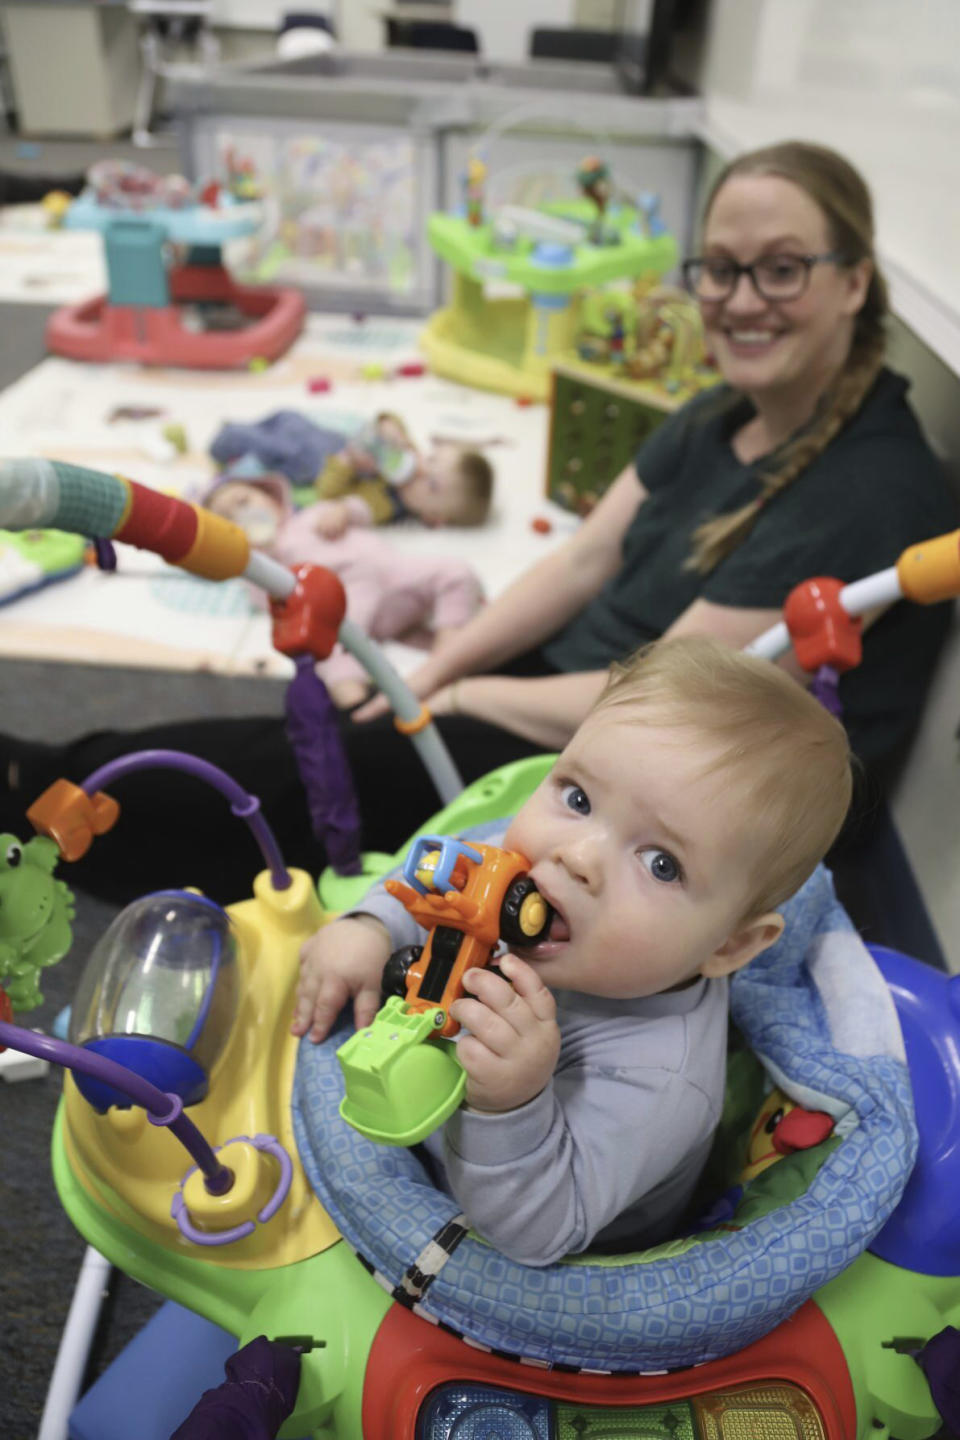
(514, 1041)
(544, 709)
(422, 682)
(347, 693)
(343, 959)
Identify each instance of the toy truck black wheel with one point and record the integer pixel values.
(394, 980)
(524, 915)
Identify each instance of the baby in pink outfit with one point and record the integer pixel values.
(391, 595)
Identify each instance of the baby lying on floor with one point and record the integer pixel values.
(374, 477)
(391, 595)
(381, 469)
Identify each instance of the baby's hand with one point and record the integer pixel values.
(343, 959)
(362, 461)
(514, 1040)
(333, 520)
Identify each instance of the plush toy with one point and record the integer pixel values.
(36, 912)
(781, 1128)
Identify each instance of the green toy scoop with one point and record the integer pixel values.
(402, 1081)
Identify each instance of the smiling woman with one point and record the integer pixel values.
(808, 461)
(793, 306)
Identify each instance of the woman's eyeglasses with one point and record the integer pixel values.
(774, 277)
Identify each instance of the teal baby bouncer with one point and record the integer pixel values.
(815, 1296)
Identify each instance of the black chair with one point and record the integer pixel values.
(431, 35)
(641, 59)
(305, 20)
(571, 43)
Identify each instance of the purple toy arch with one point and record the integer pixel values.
(162, 1108)
(244, 805)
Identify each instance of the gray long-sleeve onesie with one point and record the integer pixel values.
(613, 1146)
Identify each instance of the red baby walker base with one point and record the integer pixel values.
(155, 335)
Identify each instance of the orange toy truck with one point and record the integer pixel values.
(469, 897)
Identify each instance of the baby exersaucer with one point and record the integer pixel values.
(431, 1334)
(413, 1328)
(144, 316)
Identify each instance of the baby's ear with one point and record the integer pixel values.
(752, 937)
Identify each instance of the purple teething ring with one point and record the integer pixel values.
(180, 1213)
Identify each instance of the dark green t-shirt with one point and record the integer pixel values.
(876, 489)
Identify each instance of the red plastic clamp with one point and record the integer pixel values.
(308, 621)
(821, 630)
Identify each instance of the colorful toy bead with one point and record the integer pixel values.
(319, 385)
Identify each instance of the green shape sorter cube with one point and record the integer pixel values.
(597, 425)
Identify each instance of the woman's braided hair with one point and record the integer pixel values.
(842, 195)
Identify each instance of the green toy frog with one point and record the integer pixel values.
(35, 915)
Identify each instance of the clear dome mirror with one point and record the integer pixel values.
(165, 969)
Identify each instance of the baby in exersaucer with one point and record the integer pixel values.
(697, 797)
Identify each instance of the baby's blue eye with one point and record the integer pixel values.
(661, 865)
(575, 799)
